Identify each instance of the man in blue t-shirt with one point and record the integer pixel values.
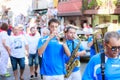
(118, 31)
(111, 70)
(91, 45)
(72, 43)
(95, 43)
(52, 51)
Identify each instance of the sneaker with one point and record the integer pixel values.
(7, 74)
(21, 78)
(36, 74)
(31, 76)
(41, 76)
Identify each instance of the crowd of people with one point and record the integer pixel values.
(52, 54)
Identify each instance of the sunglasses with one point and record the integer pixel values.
(113, 48)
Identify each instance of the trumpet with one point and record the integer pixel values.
(61, 36)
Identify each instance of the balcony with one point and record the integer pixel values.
(101, 7)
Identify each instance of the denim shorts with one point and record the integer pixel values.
(33, 59)
(15, 61)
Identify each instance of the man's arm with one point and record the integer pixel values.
(90, 41)
(27, 49)
(89, 71)
(90, 44)
(67, 51)
(6, 47)
(81, 53)
(42, 48)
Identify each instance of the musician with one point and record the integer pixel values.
(95, 39)
(72, 43)
(91, 46)
(52, 52)
(111, 69)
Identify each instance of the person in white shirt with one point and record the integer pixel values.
(18, 46)
(44, 32)
(33, 39)
(4, 51)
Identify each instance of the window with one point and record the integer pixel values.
(63, 0)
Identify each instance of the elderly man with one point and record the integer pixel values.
(106, 65)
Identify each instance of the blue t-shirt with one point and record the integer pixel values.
(93, 69)
(52, 58)
(118, 31)
(72, 45)
(92, 48)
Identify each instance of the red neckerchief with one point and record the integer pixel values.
(32, 34)
(10, 27)
(16, 35)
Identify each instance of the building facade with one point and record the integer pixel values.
(70, 11)
(102, 11)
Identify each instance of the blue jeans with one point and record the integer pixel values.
(15, 61)
(33, 59)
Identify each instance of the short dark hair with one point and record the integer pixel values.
(53, 20)
(32, 28)
(68, 28)
(4, 26)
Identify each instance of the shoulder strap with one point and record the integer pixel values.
(103, 65)
(73, 45)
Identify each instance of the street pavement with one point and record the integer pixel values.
(27, 71)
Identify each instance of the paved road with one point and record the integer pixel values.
(27, 71)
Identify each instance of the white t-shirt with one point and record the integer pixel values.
(88, 30)
(17, 45)
(3, 36)
(32, 43)
(3, 53)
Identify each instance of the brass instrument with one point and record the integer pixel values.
(61, 36)
(100, 31)
(72, 63)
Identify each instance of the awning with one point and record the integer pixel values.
(70, 14)
(69, 8)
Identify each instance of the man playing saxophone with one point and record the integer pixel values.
(70, 32)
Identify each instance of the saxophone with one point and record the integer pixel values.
(72, 63)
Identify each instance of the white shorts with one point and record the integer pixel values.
(74, 76)
(3, 63)
(56, 77)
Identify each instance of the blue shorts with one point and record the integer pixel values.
(33, 59)
(15, 61)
